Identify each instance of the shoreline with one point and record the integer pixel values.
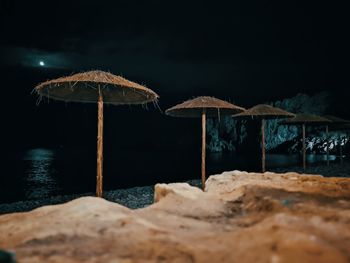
(134, 198)
(333, 170)
(142, 196)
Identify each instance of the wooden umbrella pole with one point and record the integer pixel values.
(340, 150)
(263, 145)
(327, 144)
(99, 146)
(203, 147)
(304, 148)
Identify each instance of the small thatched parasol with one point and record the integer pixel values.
(263, 112)
(337, 125)
(101, 87)
(309, 119)
(336, 120)
(202, 107)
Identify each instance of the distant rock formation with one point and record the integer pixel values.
(228, 134)
(301, 103)
(241, 217)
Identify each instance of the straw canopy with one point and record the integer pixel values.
(305, 118)
(85, 87)
(336, 120)
(264, 111)
(203, 107)
(96, 87)
(308, 119)
(338, 123)
(212, 106)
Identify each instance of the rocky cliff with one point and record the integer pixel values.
(228, 134)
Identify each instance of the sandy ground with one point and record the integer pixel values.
(241, 217)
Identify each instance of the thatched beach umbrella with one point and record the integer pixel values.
(264, 112)
(336, 121)
(96, 87)
(203, 107)
(306, 119)
(338, 124)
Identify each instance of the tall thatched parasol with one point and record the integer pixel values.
(303, 119)
(263, 112)
(203, 107)
(336, 125)
(101, 87)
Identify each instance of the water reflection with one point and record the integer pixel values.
(39, 182)
(231, 162)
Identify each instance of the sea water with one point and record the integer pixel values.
(42, 172)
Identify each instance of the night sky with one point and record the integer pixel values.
(247, 52)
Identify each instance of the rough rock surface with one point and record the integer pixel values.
(241, 217)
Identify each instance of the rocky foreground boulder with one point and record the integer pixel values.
(241, 217)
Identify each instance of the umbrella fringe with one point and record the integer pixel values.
(144, 106)
(33, 90)
(38, 100)
(123, 88)
(194, 107)
(156, 105)
(75, 83)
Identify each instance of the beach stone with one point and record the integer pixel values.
(240, 217)
(181, 189)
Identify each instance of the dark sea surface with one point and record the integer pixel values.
(41, 172)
